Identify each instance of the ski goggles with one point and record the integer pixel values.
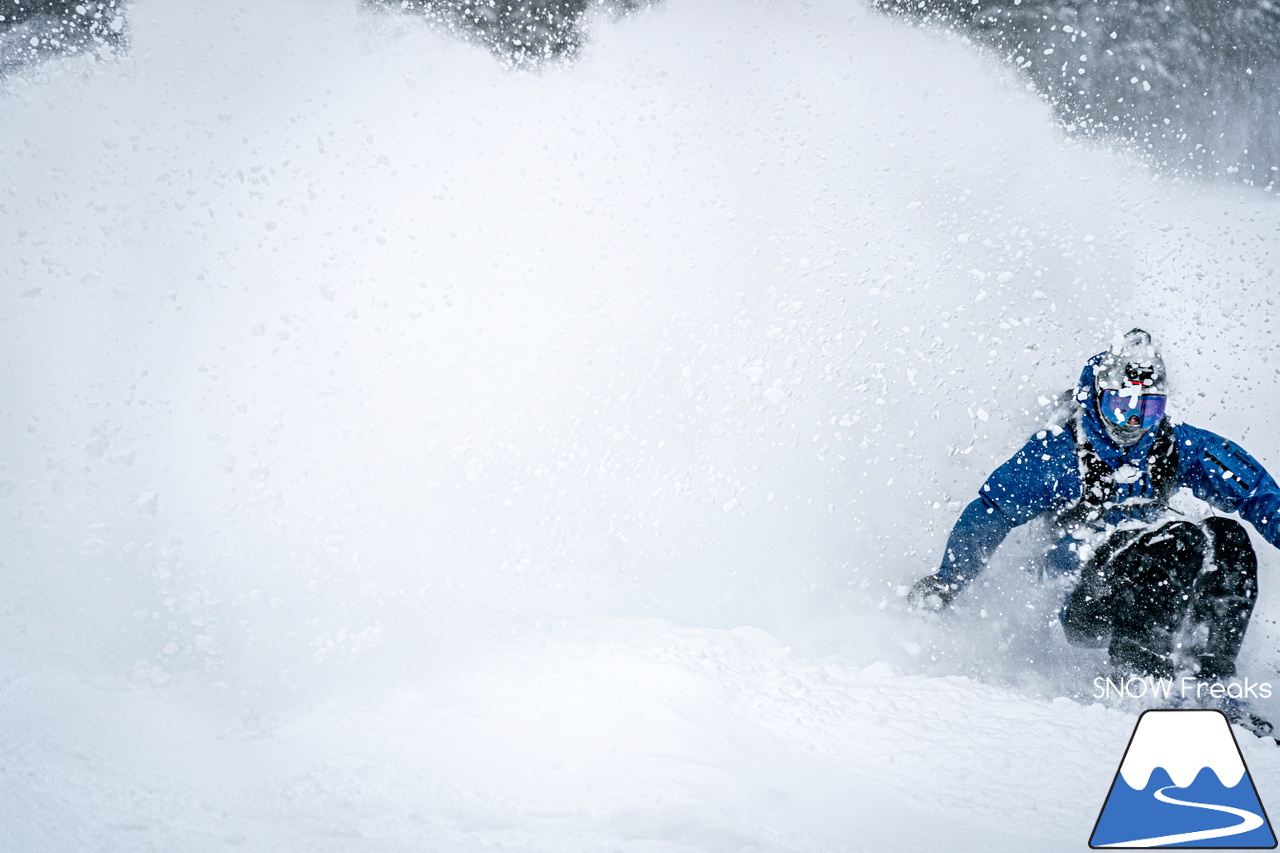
(1124, 408)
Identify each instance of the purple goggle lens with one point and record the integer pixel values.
(1125, 409)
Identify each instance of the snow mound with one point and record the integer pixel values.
(602, 734)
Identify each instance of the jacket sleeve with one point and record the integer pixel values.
(977, 534)
(1222, 474)
(1038, 476)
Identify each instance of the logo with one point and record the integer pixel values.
(1183, 783)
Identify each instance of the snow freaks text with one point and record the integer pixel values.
(1138, 687)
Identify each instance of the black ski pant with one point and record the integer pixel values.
(1142, 586)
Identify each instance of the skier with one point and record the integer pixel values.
(1144, 573)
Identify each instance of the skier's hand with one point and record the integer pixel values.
(931, 594)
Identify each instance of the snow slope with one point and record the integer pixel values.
(396, 445)
(602, 735)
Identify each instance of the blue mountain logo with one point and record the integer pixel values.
(1183, 783)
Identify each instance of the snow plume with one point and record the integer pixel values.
(407, 453)
(1191, 86)
(32, 30)
(329, 343)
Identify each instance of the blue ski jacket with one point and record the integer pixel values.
(1045, 478)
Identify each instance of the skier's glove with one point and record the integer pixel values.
(931, 594)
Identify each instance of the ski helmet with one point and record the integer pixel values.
(1130, 387)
